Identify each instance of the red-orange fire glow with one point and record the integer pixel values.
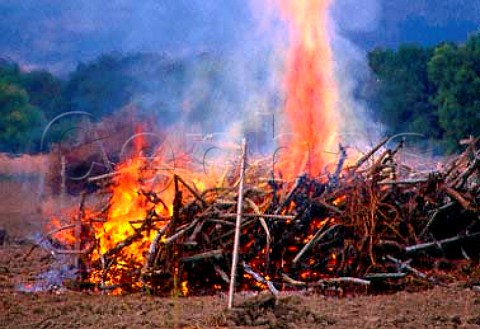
(311, 89)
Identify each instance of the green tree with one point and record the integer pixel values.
(100, 87)
(455, 71)
(45, 92)
(404, 90)
(19, 121)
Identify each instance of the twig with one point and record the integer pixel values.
(195, 194)
(378, 163)
(265, 228)
(222, 273)
(383, 276)
(196, 231)
(333, 181)
(370, 153)
(345, 279)
(405, 267)
(103, 176)
(54, 251)
(298, 182)
(438, 244)
(404, 182)
(318, 235)
(434, 217)
(330, 207)
(153, 246)
(248, 269)
(180, 233)
(204, 255)
(462, 179)
(269, 216)
(85, 251)
(323, 282)
(458, 197)
(57, 230)
(219, 221)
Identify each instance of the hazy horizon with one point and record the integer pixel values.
(58, 34)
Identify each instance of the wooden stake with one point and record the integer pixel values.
(236, 241)
(63, 184)
(78, 230)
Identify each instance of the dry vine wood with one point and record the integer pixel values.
(348, 227)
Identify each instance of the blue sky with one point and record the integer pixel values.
(57, 34)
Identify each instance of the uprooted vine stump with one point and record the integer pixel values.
(377, 220)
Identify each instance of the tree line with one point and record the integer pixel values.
(434, 91)
(30, 100)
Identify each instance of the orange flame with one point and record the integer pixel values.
(311, 88)
(129, 204)
(184, 288)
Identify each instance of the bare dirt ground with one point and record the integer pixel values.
(441, 307)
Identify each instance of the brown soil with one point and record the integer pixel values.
(441, 307)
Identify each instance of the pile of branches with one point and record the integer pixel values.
(376, 220)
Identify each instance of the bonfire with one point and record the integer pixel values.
(315, 217)
(371, 220)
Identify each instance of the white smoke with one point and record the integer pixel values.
(246, 94)
(352, 70)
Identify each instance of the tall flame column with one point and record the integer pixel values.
(311, 91)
